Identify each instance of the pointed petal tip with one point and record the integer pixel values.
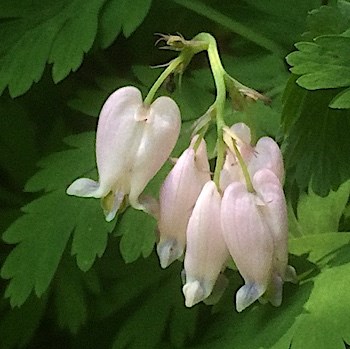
(109, 216)
(193, 293)
(275, 291)
(247, 295)
(84, 187)
(168, 251)
(111, 204)
(291, 275)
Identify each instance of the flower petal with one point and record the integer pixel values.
(249, 241)
(194, 293)
(267, 155)
(206, 251)
(111, 204)
(169, 250)
(269, 189)
(161, 130)
(248, 294)
(177, 198)
(85, 187)
(118, 137)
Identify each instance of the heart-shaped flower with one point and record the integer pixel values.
(133, 141)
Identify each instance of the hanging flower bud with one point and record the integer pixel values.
(255, 230)
(206, 251)
(231, 172)
(177, 198)
(267, 154)
(133, 141)
(274, 211)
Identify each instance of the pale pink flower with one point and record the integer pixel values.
(265, 154)
(132, 143)
(177, 198)
(256, 233)
(206, 251)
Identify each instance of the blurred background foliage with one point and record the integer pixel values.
(59, 60)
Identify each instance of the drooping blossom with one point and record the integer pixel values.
(255, 230)
(206, 251)
(265, 154)
(177, 198)
(132, 143)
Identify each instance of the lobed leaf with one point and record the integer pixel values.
(59, 169)
(322, 214)
(57, 32)
(138, 235)
(42, 233)
(331, 19)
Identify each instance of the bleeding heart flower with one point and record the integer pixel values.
(256, 233)
(206, 251)
(132, 143)
(177, 198)
(265, 154)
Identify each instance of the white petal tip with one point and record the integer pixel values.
(291, 275)
(247, 295)
(193, 293)
(111, 204)
(110, 216)
(168, 252)
(84, 187)
(275, 291)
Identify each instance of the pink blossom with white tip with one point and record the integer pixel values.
(206, 251)
(265, 154)
(177, 198)
(255, 230)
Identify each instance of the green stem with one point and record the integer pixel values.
(191, 48)
(170, 68)
(218, 73)
(244, 168)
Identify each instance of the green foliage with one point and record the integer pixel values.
(326, 20)
(319, 215)
(323, 63)
(123, 299)
(122, 15)
(43, 231)
(70, 293)
(57, 32)
(305, 307)
(320, 68)
(137, 239)
(17, 326)
(161, 304)
(316, 155)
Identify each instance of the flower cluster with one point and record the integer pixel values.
(206, 222)
(247, 223)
